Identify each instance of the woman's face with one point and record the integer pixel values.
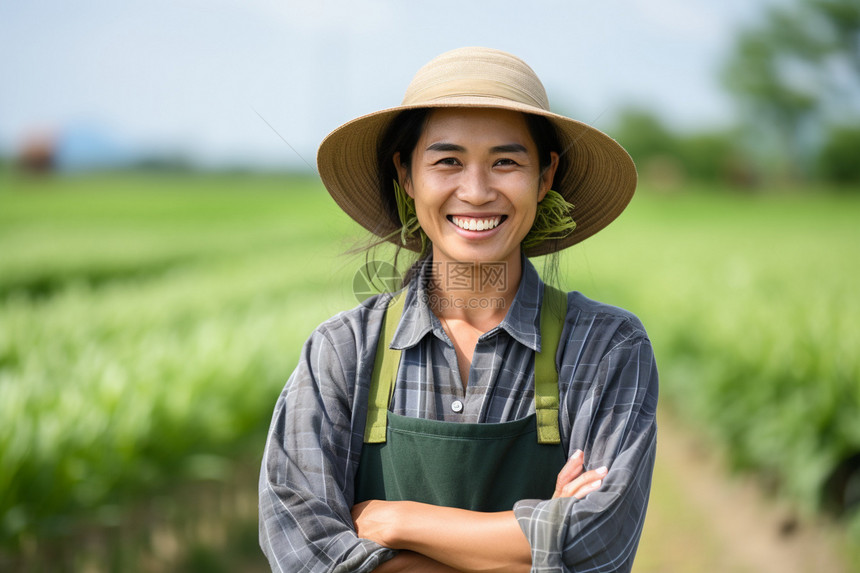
(476, 181)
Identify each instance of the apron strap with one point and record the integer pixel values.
(384, 373)
(387, 361)
(552, 315)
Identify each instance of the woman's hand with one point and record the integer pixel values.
(572, 482)
(377, 520)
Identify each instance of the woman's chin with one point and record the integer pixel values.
(476, 252)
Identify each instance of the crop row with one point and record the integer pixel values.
(177, 308)
(111, 388)
(753, 309)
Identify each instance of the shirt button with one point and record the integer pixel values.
(457, 406)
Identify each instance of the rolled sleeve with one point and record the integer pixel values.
(306, 489)
(613, 420)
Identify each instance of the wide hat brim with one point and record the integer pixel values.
(599, 179)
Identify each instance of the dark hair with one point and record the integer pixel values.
(546, 139)
(401, 136)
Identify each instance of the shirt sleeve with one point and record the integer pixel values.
(614, 423)
(306, 488)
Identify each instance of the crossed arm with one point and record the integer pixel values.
(305, 519)
(436, 539)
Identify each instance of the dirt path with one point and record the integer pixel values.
(701, 520)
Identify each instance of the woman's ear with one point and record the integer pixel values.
(547, 176)
(402, 174)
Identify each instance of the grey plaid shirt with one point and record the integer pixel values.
(608, 393)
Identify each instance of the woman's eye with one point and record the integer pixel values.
(506, 162)
(448, 161)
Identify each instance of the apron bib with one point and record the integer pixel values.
(479, 467)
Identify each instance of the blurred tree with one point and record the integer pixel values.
(713, 156)
(644, 134)
(839, 160)
(793, 74)
(651, 144)
(666, 158)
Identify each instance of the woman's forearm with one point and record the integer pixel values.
(464, 540)
(409, 562)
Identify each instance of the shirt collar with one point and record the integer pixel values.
(417, 318)
(522, 320)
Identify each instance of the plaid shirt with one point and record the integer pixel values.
(608, 393)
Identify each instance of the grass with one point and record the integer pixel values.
(147, 324)
(113, 382)
(752, 306)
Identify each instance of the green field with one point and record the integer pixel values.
(753, 307)
(148, 322)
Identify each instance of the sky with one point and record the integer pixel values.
(261, 82)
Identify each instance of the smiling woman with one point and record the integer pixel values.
(476, 181)
(477, 419)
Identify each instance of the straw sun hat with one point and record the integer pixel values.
(599, 178)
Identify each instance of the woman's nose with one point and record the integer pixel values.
(475, 187)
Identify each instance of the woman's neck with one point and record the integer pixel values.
(476, 292)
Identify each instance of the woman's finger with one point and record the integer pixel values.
(587, 489)
(568, 473)
(584, 484)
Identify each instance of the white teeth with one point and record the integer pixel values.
(471, 224)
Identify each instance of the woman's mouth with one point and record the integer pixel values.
(477, 223)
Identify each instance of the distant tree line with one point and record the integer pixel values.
(668, 158)
(795, 77)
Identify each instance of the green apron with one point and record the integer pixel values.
(480, 467)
